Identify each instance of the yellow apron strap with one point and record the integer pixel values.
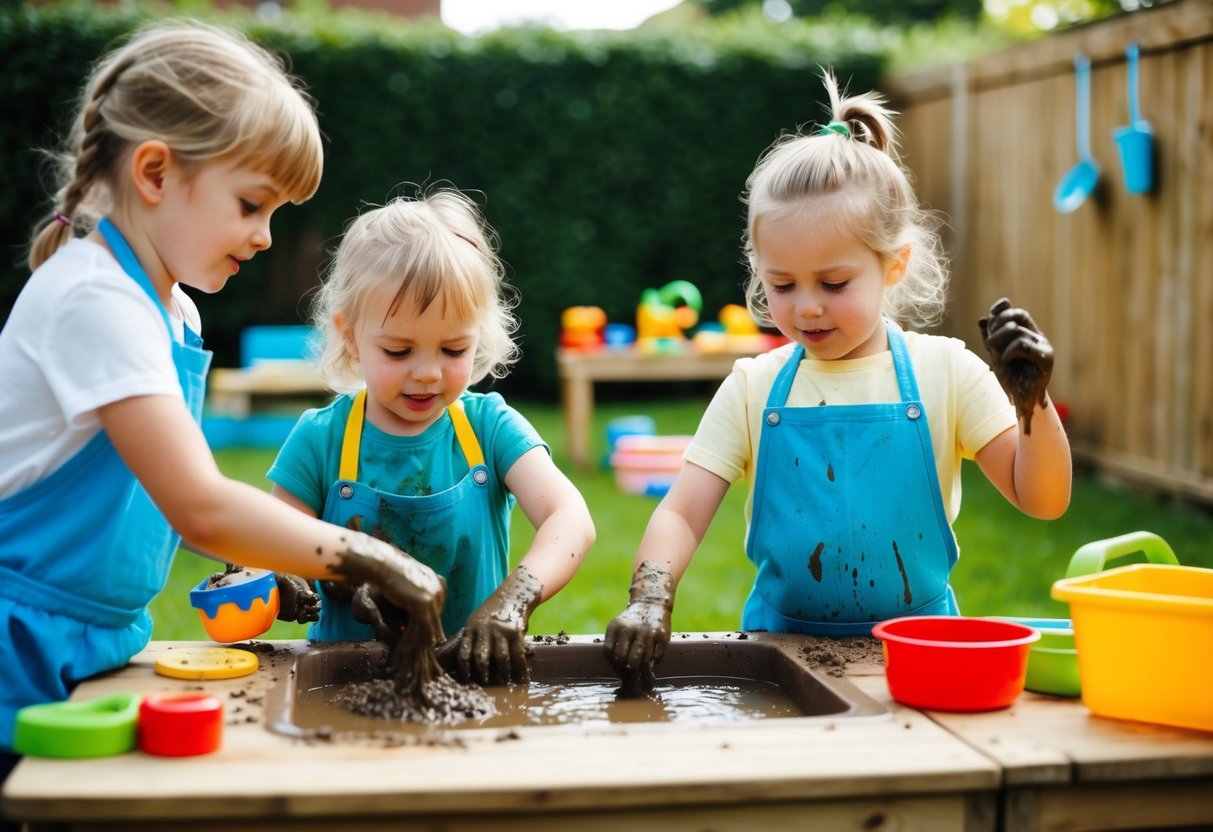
(465, 435)
(352, 440)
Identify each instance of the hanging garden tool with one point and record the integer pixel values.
(1135, 141)
(1080, 180)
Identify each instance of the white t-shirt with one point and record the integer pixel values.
(81, 335)
(965, 405)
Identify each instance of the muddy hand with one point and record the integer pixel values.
(297, 601)
(400, 580)
(368, 606)
(636, 639)
(491, 645)
(1020, 356)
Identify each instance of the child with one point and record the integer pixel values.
(851, 437)
(413, 312)
(188, 138)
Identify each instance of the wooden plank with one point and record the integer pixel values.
(1107, 807)
(1199, 73)
(1052, 740)
(941, 814)
(548, 770)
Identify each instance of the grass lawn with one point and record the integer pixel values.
(1008, 561)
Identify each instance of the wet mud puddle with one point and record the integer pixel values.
(333, 691)
(589, 702)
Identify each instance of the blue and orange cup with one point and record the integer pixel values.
(240, 610)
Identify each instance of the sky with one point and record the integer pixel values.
(474, 17)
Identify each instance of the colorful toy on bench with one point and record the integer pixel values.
(736, 332)
(582, 327)
(664, 315)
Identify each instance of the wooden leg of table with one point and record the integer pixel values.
(578, 415)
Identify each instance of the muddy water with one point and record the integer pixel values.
(585, 703)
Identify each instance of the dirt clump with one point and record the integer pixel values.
(833, 655)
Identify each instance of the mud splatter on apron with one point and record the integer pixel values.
(447, 530)
(848, 525)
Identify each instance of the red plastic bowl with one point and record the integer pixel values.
(954, 663)
(180, 725)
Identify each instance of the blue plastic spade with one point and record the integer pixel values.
(1080, 180)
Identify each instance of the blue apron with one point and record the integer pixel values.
(848, 526)
(447, 530)
(83, 552)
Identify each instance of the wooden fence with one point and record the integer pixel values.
(1123, 286)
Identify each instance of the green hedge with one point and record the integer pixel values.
(608, 162)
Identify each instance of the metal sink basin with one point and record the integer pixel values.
(703, 678)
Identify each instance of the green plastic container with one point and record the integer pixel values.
(1053, 661)
(70, 730)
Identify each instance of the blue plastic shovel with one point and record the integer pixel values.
(1080, 180)
(1136, 140)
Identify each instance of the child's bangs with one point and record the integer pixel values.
(282, 140)
(451, 278)
(852, 211)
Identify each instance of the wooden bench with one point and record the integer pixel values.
(579, 370)
(276, 364)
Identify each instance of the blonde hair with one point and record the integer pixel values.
(208, 94)
(854, 162)
(434, 247)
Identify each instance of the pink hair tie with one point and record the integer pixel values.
(60, 218)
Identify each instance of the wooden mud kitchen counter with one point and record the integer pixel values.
(1044, 763)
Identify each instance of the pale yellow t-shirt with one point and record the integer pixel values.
(965, 406)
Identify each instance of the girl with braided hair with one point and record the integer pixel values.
(850, 438)
(188, 138)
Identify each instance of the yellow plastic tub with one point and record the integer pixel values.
(1144, 636)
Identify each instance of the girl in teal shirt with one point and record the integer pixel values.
(414, 311)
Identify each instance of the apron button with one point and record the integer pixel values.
(480, 476)
(913, 411)
(772, 419)
(347, 491)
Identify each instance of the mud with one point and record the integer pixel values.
(343, 692)
(231, 576)
(440, 701)
(833, 656)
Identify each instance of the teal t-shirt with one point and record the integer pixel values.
(309, 462)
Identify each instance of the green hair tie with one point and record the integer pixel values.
(836, 127)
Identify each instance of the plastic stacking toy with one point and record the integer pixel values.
(180, 725)
(206, 663)
(241, 606)
(91, 728)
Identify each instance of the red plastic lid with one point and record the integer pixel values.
(180, 724)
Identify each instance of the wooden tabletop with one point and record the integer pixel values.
(257, 773)
(1046, 750)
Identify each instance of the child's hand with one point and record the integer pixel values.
(401, 581)
(490, 647)
(636, 639)
(1020, 356)
(368, 606)
(297, 601)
